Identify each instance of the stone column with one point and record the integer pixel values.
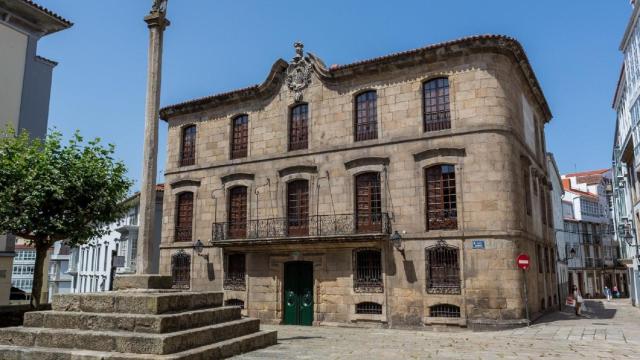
(157, 23)
(146, 276)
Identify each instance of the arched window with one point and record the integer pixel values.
(444, 310)
(368, 308)
(298, 127)
(365, 126)
(184, 219)
(188, 149)
(442, 269)
(237, 215)
(234, 272)
(368, 270)
(441, 205)
(298, 207)
(239, 137)
(234, 302)
(368, 203)
(436, 104)
(181, 270)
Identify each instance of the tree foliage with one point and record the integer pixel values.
(51, 191)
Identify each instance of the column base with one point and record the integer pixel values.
(142, 281)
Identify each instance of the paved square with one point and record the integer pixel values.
(609, 330)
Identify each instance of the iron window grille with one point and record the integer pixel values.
(299, 127)
(366, 123)
(444, 310)
(442, 269)
(234, 274)
(240, 137)
(184, 221)
(442, 213)
(188, 150)
(368, 308)
(368, 271)
(234, 302)
(181, 270)
(437, 115)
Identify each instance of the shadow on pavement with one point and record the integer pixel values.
(300, 338)
(591, 309)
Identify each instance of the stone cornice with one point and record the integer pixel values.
(430, 54)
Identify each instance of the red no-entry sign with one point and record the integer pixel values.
(523, 261)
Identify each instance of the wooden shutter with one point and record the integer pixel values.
(441, 206)
(298, 207)
(184, 221)
(368, 203)
(238, 212)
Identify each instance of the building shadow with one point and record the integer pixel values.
(591, 309)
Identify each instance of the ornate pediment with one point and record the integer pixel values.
(298, 75)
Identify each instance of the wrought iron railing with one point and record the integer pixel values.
(183, 233)
(312, 226)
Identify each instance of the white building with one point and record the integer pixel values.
(626, 153)
(59, 279)
(94, 265)
(23, 267)
(25, 86)
(557, 193)
(588, 231)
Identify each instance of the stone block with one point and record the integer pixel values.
(124, 282)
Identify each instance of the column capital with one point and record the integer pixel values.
(156, 19)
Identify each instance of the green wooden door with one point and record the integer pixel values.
(298, 293)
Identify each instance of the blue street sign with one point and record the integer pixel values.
(478, 244)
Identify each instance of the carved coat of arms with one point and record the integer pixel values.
(298, 73)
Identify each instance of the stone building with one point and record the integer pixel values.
(297, 186)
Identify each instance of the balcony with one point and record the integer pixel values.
(274, 230)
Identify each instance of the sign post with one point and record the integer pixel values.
(523, 263)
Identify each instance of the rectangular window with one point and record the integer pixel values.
(368, 271)
(238, 212)
(436, 105)
(234, 275)
(240, 137)
(298, 208)
(526, 179)
(441, 205)
(540, 259)
(442, 269)
(298, 127)
(366, 124)
(543, 206)
(184, 221)
(188, 151)
(368, 203)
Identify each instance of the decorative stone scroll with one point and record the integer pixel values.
(298, 75)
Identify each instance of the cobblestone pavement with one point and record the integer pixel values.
(608, 330)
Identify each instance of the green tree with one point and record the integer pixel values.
(51, 191)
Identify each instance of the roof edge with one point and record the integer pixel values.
(275, 75)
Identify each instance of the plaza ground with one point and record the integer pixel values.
(608, 330)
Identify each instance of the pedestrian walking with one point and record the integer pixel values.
(607, 293)
(616, 294)
(578, 299)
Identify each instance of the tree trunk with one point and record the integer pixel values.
(36, 290)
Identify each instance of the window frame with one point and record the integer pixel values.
(447, 222)
(181, 279)
(185, 135)
(237, 229)
(439, 124)
(368, 219)
(235, 280)
(452, 283)
(367, 277)
(239, 150)
(370, 117)
(302, 142)
(188, 225)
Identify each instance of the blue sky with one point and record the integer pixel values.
(219, 45)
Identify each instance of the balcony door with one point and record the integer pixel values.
(368, 203)
(238, 212)
(298, 208)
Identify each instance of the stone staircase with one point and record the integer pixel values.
(134, 324)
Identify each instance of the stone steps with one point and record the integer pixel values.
(219, 350)
(141, 323)
(128, 342)
(137, 302)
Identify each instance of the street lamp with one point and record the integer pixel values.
(396, 240)
(572, 254)
(198, 247)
